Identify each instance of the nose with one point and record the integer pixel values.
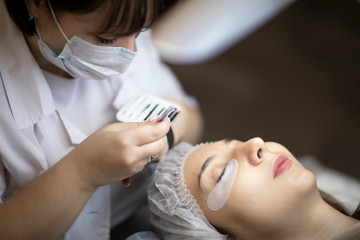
(255, 150)
(129, 42)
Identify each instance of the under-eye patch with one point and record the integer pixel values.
(220, 193)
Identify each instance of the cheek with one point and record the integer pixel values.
(52, 36)
(247, 205)
(248, 193)
(259, 197)
(256, 196)
(256, 199)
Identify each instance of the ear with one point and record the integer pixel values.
(34, 7)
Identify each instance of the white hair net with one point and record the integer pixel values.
(174, 212)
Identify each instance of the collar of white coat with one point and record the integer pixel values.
(27, 91)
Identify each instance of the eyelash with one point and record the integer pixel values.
(107, 41)
(221, 175)
(111, 41)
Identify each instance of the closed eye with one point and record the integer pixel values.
(106, 41)
(221, 175)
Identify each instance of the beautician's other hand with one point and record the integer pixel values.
(188, 126)
(118, 151)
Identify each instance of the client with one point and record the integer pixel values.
(241, 190)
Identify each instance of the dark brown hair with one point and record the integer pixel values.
(124, 17)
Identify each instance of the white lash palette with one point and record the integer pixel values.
(141, 108)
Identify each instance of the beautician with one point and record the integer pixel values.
(66, 68)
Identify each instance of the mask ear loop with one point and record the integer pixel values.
(37, 29)
(56, 21)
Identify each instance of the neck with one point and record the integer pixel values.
(323, 222)
(316, 222)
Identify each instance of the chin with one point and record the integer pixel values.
(306, 182)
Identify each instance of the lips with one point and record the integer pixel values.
(282, 163)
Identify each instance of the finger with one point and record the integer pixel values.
(128, 126)
(151, 149)
(147, 133)
(131, 125)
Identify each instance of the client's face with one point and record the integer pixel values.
(270, 186)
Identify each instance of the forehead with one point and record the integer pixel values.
(197, 158)
(93, 20)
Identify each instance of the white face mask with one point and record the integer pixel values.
(85, 60)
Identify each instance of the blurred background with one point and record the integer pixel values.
(294, 81)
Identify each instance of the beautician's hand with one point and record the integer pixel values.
(163, 152)
(118, 151)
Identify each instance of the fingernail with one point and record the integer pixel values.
(168, 119)
(153, 119)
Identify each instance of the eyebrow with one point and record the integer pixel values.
(203, 167)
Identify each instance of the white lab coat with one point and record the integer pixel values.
(43, 117)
